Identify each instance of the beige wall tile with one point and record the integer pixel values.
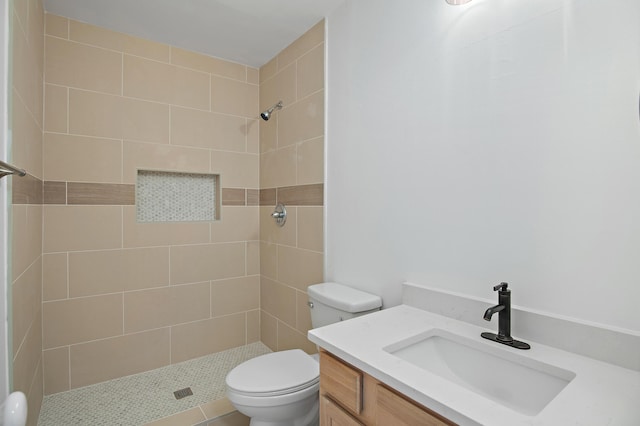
(56, 370)
(81, 66)
(253, 75)
(69, 228)
(269, 330)
(102, 37)
(27, 190)
(299, 268)
(311, 228)
(282, 87)
(100, 193)
(302, 121)
(237, 223)
(269, 69)
(82, 159)
(253, 326)
(253, 257)
(272, 233)
(79, 320)
(235, 295)
(208, 64)
(157, 81)
(26, 297)
(27, 64)
(161, 234)
(26, 245)
(278, 300)
(149, 156)
(253, 197)
(234, 97)
(26, 139)
(202, 129)
(201, 338)
(217, 408)
(110, 271)
(54, 192)
(310, 72)
(269, 134)
(161, 307)
(289, 338)
(253, 136)
(303, 313)
(302, 195)
(55, 108)
(236, 170)
(197, 263)
(35, 397)
(310, 160)
(57, 26)
(28, 357)
(278, 168)
(54, 276)
(97, 114)
(234, 197)
(268, 197)
(269, 260)
(306, 42)
(21, 9)
(107, 359)
(190, 417)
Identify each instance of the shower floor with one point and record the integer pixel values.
(143, 399)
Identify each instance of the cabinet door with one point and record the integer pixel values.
(331, 414)
(396, 410)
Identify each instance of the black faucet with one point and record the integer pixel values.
(504, 319)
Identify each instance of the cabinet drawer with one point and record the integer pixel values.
(331, 414)
(342, 382)
(396, 410)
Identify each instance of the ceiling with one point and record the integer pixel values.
(250, 32)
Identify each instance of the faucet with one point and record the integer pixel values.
(503, 309)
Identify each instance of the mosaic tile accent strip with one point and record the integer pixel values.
(175, 197)
(142, 398)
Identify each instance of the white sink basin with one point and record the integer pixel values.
(495, 372)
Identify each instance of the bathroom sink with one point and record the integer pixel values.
(519, 383)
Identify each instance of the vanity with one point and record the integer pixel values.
(408, 365)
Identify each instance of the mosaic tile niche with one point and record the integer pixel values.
(176, 197)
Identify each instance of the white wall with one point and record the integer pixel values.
(497, 141)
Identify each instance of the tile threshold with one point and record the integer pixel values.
(147, 398)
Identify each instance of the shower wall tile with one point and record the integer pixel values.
(235, 295)
(302, 195)
(270, 232)
(79, 320)
(203, 129)
(26, 138)
(237, 223)
(281, 87)
(200, 338)
(28, 358)
(56, 370)
(35, 396)
(278, 300)
(234, 197)
(149, 156)
(303, 312)
(54, 192)
(54, 276)
(310, 72)
(234, 97)
(299, 268)
(100, 194)
(26, 296)
(290, 338)
(97, 36)
(107, 359)
(278, 168)
(253, 136)
(197, 263)
(55, 108)
(269, 134)
(269, 330)
(57, 26)
(310, 161)
(236, 170)
(161, 307)
(69, 228)
(269, 69)
(161, 234)
(253, 326)
(305, 43)
(208, 64)
(311, 228)
(302, 121)
(269, 260)
(157, 81)
(253, 75)
(82, 159)
(253, 257)
(26, 244)
(82, 66)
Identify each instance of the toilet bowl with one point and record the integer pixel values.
(282, 388)
(272, 395)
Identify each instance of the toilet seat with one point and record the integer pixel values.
(277, 373)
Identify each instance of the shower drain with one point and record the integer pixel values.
(179, 394)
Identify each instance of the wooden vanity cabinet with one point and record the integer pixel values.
(350, 397)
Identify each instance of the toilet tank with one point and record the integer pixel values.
(333, 302)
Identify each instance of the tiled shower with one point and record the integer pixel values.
(97, 295)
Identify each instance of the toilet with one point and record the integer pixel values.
(281, 388)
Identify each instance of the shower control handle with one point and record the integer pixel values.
(280, 214)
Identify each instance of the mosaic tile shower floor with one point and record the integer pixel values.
(142, 398)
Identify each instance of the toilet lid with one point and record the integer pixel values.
(276, 373)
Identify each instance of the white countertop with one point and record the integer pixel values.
(600, 394)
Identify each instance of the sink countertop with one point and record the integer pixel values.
(600, 394)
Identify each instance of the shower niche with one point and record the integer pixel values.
(163, 196)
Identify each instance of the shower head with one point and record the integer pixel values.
(267, 114)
